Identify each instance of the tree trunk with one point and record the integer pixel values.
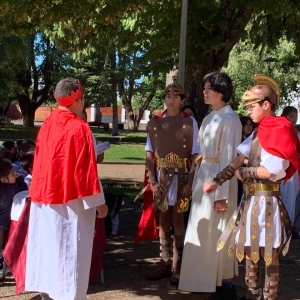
(131, 118)
(114, 95)
(28, 109)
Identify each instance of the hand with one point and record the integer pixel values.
(100, 158)
(237, 175)
(186, 191)
(102, 211)
(210, 187)
(156, 190)
(220, 206)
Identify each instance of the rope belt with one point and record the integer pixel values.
(211, 159)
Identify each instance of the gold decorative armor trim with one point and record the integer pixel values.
(250, 187)
(249, 98)
(240, 255)
(255, 257)
(183, 205)
(268, 259)
(172, 160)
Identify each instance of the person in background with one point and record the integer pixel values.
(10, 184)
(11, 147)
(26, 162)
(290, 189)
(23, 146)
(247, 128)
(190, 110)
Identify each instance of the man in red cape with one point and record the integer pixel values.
(65, 195)
(262, 225)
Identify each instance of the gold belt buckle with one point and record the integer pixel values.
(249, 187)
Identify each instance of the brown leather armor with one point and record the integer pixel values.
(172, 141)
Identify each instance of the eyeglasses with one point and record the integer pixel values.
(250, 107)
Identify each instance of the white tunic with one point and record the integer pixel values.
(172, 192)
(59, 249)
(203, 268)
(277, 167)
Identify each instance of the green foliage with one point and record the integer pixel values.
(94, 73)
(245, 61)
(146, 87)
(152, 27)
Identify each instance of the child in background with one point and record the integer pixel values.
(26, 162)
(23, 146)
(10, 184)
(11, 147)
(112, 219)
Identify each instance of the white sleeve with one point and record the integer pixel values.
(245, 147)
(148, 146)
(275, 165)
(196, 146)
(230, 137)
(94, 200)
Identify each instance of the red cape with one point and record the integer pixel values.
(65, 166)
(278, 137)
(147, 229)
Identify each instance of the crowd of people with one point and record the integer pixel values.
(224, 192)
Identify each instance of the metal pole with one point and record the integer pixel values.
(182, 48)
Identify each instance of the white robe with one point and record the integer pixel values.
(203, 268)
(59, 249)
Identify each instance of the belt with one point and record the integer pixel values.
(179, 163)
(250, 187)
(211, 159)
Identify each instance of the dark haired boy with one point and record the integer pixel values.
(262, 225)
(203, 268)
(170, 152)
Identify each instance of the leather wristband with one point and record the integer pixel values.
(248, 173)
(224, 175)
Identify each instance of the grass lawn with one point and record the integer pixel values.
(129, 192)
(125, 153)
(19, 132)
(117, 152)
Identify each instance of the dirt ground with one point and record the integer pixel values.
(121, 173)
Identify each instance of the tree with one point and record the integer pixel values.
(94, 72)
(32, 66)
(214, 27)
(245, 60)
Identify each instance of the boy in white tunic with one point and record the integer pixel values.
(203, 268)
(261, 225)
